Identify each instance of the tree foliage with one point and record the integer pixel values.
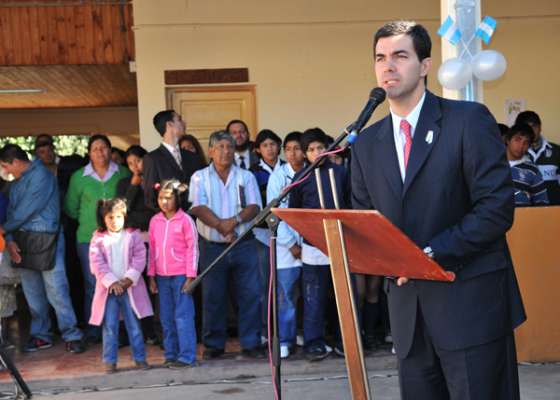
(64, 145)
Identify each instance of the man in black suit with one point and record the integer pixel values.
(245, 156)
(437, 169)
(168, 161)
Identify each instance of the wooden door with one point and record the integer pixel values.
(208, 109)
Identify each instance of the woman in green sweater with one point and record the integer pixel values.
(97, 180)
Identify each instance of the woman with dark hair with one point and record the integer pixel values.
(132, 189)
(97, 180)
(138, 217)
(190, 143)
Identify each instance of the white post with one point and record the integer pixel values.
(466, 14)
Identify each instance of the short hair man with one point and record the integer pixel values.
(245, 157)
(225, 198)
(168, 161)
(34, 206)
(436, 168)
(530, 189)
(544, 154)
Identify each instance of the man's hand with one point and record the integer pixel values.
(402, 281)
(14, 252)
(153, 285)
(296, 251)
(116, 289)
(186, 285)
(227, 226)
(125, 283)
(230, 237)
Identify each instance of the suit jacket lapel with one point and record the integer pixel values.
(425, 137)
(388, 155)
(170, 160)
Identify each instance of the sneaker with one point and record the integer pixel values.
(388, 338)
(110, 368)
(153, 341)
(182, 365)
(35, 344)
(75, 346)
(299, 340)
(168, 363)
(211, 353)
(339, 350)
(284, 351)
(143, 365)
(316, 353)
(255, 352)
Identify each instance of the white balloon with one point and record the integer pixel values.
(488, 65)
(454, 74)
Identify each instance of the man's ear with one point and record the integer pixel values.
(426, 65)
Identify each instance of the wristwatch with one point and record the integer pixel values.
(429, 252)
(238, 218)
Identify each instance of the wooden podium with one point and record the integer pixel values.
(362, 242)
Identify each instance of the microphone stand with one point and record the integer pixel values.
(266, 216)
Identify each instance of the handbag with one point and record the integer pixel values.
(37, 250)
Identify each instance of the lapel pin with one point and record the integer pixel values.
(429, 137)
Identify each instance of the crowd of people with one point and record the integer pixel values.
(143, 224)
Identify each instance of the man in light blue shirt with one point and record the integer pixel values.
(225, 198)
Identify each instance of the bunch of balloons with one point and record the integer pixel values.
(486, 65)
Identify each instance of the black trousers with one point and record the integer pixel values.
(484, 372)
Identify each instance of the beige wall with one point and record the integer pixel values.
(119, 123)
(311, 61)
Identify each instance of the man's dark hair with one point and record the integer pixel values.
(161, 119)
(106, 206)
(522, 130)
(237, 121)
(294, 136)
(43, 140)
(503, 129)
(135, 150)
(96, 137)
(267, 134)
(420, 37)
(313, 135)
(11, 152)
(528, 117)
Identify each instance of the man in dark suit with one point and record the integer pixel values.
(436, 168)
(245, 156)
(168, 161)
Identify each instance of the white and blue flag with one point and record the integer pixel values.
(486, 29)
(450, 31)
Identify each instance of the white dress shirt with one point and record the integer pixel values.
(400, 138)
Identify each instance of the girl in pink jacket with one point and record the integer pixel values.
(117, 258)
(173, 265)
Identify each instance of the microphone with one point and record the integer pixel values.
(376, 97)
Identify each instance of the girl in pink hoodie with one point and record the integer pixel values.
(173, 265)
(117, 258)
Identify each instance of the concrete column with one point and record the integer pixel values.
(466, 14)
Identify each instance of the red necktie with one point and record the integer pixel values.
(405, 126)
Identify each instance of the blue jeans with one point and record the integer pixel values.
(241, 265)
(114, 308)
(287, 281)
(176, 313)
(89, 289)
(315, 284)
(43, 287)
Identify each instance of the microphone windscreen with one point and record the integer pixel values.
(378, 94)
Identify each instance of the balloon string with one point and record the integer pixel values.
(466, 47)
